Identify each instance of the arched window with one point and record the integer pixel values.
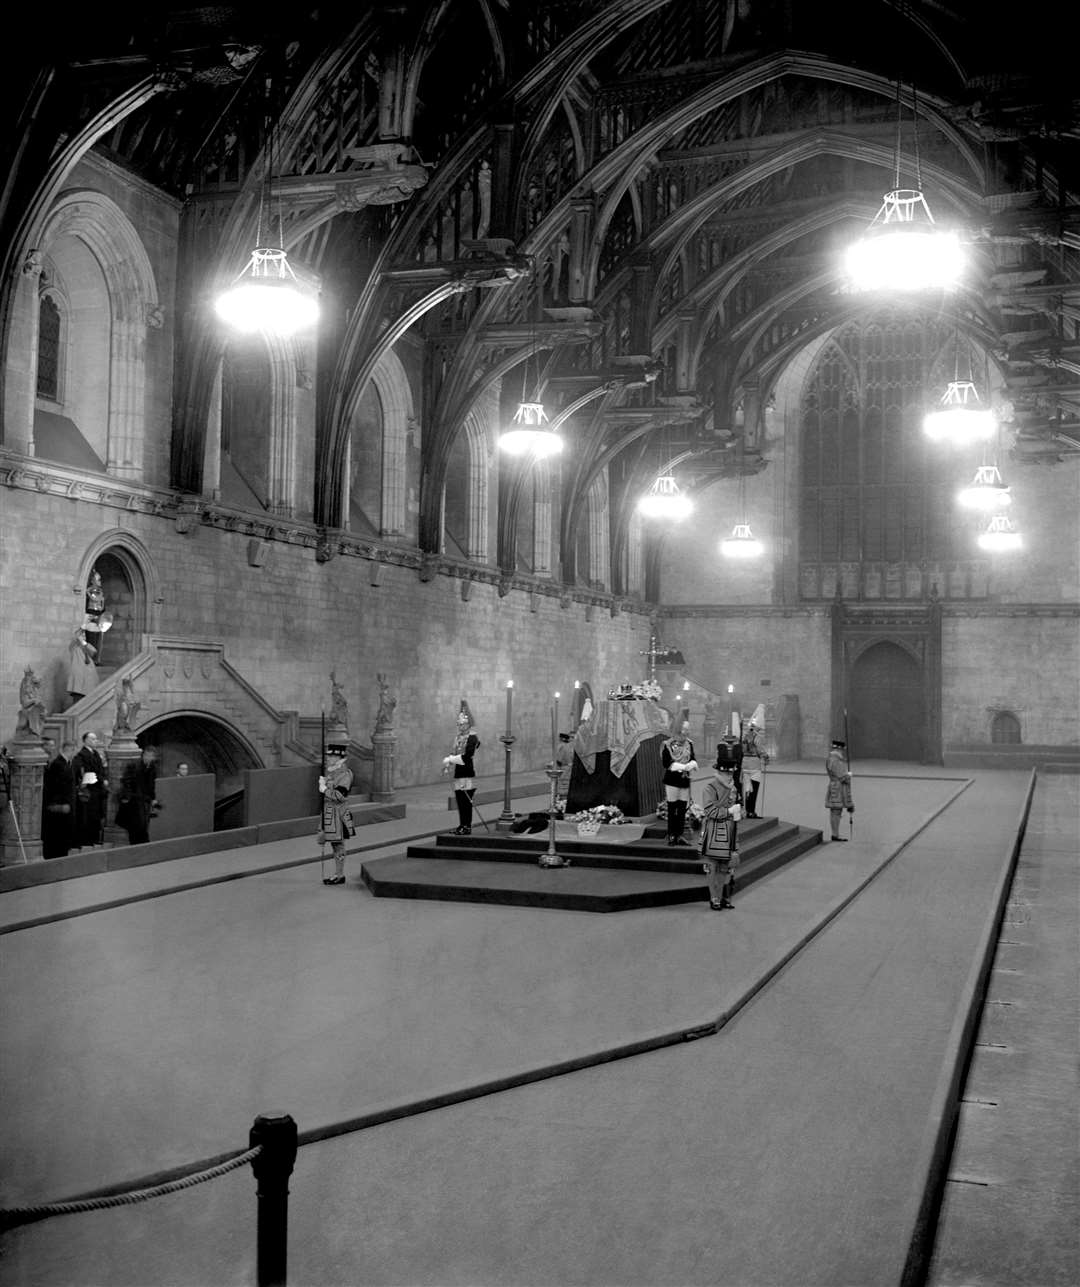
(1005, 729)
(48, 370)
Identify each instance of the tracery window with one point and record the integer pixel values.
(874, 511)
(48, 368)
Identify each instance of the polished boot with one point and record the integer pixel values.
(464, 809)
(751, 800)
(678, 823)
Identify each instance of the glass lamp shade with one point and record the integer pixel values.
(530, 437)
(903, 249)
(987, 492)
(1000, 536)
(540, 443)
(664, 500)
(741, 544)
(960, 422)
(267, 297)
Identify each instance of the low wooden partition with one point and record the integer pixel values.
(187, 806)
(273, 794)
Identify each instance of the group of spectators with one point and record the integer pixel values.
(76, 794)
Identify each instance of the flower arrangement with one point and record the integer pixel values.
(600, 814)
(695, 814)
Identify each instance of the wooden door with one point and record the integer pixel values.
(887, 717)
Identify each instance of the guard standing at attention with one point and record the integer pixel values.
(337, 823)
(838, 793)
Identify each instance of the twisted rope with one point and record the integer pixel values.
(26, 1215)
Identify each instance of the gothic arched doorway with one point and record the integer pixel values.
(887, 715)
(207, 746)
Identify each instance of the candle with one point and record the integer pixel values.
(554, 728)
(509, 703)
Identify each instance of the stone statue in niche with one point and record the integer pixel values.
(384, 719)
(31, 716)
(127, 706)
(339, 707)
(95, 596)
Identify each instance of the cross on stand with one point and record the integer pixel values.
(654, 654)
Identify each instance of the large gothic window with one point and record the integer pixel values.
(874, 511)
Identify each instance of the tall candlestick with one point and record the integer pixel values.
(506, 818)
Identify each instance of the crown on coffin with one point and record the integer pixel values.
(647, 689)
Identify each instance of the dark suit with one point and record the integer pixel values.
(91, 799)
(138, 786)
(58, 817)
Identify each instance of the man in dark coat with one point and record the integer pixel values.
(92, 786)
(58, 797)
(138, 797)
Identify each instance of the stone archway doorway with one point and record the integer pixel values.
(888, 705)
(206, 746)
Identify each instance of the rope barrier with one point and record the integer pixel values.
(10, 1216)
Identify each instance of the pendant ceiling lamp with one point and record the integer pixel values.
(962, 419)
(266, 295)
(664, 500)
(986, 493)
(742, 543)
(531, 437)
(1000, 536)
(904, 249)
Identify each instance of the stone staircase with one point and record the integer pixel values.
(503, 868)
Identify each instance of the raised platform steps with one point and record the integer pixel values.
(600, 877)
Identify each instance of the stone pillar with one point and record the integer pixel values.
(28, 761)
(382, 776)
(122, 750)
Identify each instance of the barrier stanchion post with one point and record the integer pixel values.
(276, 1133)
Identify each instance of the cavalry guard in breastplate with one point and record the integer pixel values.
(754, 759)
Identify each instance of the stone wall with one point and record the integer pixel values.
(287, 623)
(1027, 663)
(764, 654)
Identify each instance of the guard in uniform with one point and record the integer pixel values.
(754, 759)
(337, 823)
(718, 832)
(677, 758)
(460, 760)
(838, 793)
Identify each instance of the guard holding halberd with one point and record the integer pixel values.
(335, 785)
(838, 793)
